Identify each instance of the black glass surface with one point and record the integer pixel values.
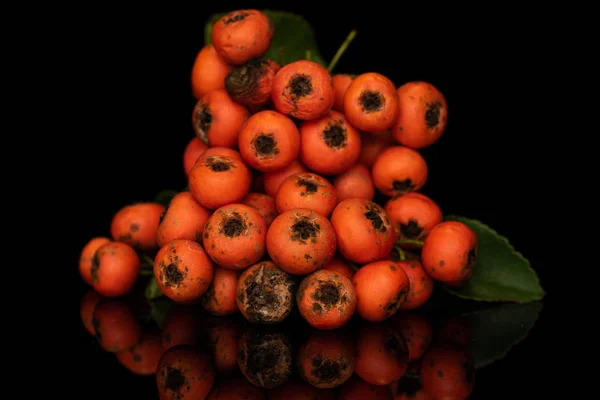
(135, 71)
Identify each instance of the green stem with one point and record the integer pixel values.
(409, 241)
(146, 272)
(353, 266)
(400, 253)
(308, 55)
(341, 50)
(148, 259)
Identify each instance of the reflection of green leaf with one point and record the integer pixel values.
(152, 289)
(293, 37)
(164, 197)
(160, 309)
(500, 273)
(497, 329)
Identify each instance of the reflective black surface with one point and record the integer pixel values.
(159, 347)
(133, 118)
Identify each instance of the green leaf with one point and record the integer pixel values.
(164, 197)
(152, 289)
(496, 330)
(160, 309)
(293, 37)
(500, 272)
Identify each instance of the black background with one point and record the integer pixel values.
(134, 119)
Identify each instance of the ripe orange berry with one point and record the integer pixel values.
(340, 265)
(242, 35)
(330, 145)
(341, 82)
(326, 299)
(209, 71)
(183, 219)
(269, 141)
(414, 215)
(216, 181)
(114, 269)
(354, 182)
(303, 89)
(371, 102)
(136, 225)
(449, 252)
(219, 299)
(183, 271)
(116, 325)
(306, 190)
(300, 241)
(364, 231)
(423, 115)
(381, 288)
(399, 170)
(217, 119)
(234, 236)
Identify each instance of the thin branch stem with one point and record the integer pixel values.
(400, 253)
(409, 241)
(341, 50)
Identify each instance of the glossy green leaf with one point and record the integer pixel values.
(152, 289)
(497, 329)
(293, 38)
(500, 273)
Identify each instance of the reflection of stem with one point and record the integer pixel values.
(341, 50)
(401, 253)
(409, 241)
(146, 272)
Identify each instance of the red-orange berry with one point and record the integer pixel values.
(303, 89)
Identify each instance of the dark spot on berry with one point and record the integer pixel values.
(412, 230)
(327, 294)
(234, 225)
(371, 101)
(202, 121)
(174, 379)
(440, 373)
(393, 305)
(392, 267)
(432, 114)
(402, 187)
(218, 164)
(316, 307)
(300, 85)
(310, 186)
(137, 358)
(373, 214)
(265, 144)
(335, 136)
(441, 263)
(325, 370)
(304, 229)
(173, 275)
(134, 227)
(95, 267)
(237, 16)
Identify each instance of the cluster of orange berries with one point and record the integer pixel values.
(282, 175)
